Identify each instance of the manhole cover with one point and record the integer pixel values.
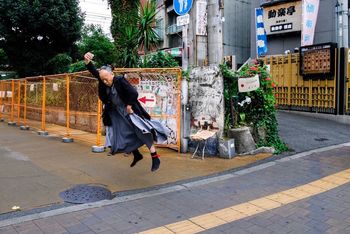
(85, 193)
(321, 139)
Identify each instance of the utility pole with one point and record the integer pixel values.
(215, 32)
(184, 47)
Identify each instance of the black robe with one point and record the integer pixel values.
(126, 91)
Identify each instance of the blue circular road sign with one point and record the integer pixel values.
(182, 7)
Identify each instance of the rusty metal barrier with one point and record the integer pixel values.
(295, 93)
(160, 93)
(67, 105)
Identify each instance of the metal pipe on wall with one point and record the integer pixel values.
(345, 23)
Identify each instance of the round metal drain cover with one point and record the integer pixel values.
(85, 193)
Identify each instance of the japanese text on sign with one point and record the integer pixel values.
(283, 18)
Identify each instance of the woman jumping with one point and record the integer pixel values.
(130, 126)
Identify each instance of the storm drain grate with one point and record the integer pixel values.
(86, 193)
(321, 139)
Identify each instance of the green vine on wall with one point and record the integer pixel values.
(260, 113)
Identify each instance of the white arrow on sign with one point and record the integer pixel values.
(147, 99)
(182, 20)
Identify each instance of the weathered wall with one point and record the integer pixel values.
(206, 101)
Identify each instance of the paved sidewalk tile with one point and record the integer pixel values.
(306, 195)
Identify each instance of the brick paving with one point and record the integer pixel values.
(326, 212)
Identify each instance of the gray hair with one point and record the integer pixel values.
(107, 68)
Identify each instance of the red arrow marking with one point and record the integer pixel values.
(144, 100)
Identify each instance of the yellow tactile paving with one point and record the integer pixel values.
(248, 209)
(266, 203)
(230, 214)
(207, 221)
(160, 230)
(184, 227)
(299, 194)
(282, 198)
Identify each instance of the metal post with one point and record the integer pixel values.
(24, 126)
(2, 96)
(12, 123)
(67, 138)
(43, 131)
(184, 47)
(184, 89)
(345, 23)
(19, 102)
(98, 148)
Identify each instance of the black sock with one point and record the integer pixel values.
(155, 161)
(137, 157)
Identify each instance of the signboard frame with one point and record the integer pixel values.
(282, 17)
(318, 47)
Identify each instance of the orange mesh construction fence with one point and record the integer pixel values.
(67, 105)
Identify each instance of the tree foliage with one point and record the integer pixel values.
(32, 32)
(59, 64)
(159, 59)
(147, 35)
(3, 59)
(94, 40)
(133, 29)
(124, 20)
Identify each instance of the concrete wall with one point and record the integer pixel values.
(237, 29)
(206, 98)
(277, 44)
(206, 101)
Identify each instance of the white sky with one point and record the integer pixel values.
(97, 12)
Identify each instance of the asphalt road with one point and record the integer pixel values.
(302, 133)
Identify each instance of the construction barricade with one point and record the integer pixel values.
(67, 105)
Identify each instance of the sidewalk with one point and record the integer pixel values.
(34, 169)
(304, 193)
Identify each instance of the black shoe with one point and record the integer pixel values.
(155, 162)
(137, 157)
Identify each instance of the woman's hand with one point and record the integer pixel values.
(88, 57)
(129, 109)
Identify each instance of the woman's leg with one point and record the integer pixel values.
(155, 158)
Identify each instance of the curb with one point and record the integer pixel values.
(342, 119)
(156, 192)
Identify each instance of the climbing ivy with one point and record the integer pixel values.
(260, 112)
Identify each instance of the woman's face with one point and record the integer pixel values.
(106, 77)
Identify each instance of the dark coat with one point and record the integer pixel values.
(127, 93)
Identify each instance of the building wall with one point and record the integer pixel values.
(97, 12)
(236, 29)
(278, 44)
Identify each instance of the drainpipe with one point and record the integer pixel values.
(345, 23)
(341, 10)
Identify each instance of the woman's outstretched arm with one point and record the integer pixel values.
(90, 66)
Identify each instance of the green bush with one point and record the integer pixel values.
(93, 40)
(261, 112)
(59, 64)
(159, 59)
(77, 67)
